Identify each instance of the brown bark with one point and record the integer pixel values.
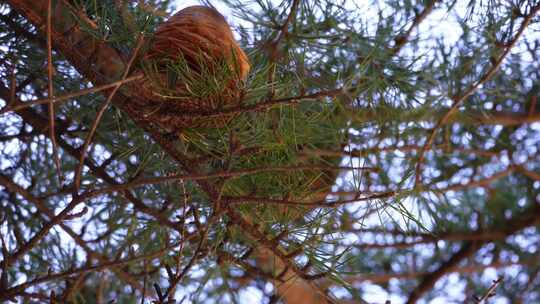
(290, 288)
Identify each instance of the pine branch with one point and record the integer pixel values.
(17, 289)
(528, 218)
(458, 100)
(42, 207)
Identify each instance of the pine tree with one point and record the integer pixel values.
(376, 151)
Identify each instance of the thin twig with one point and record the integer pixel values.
(459, 100)
(44, 209)
(324, 203)
(50, 93)
(472, 268)
(100, 113)
(490, 292)
(184, 209)
(258, 107)
(145, 277)
(284, 30)
(55, 220)
(273, 54)
(4, 271)
(13, 85)
(401, 40)
(196, 256)
(20, 106)
(532, 106)
(427, 282)
(66, 274)
(200, 177)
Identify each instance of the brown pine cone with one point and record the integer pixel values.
(191, 52)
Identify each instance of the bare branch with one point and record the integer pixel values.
(23, 105)
(100, 113)
(401, 40)
(490, 292)
(50, 93)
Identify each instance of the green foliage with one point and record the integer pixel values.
(479, 177)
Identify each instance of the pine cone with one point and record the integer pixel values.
(194, 65)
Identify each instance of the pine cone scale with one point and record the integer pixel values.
(200, 38)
